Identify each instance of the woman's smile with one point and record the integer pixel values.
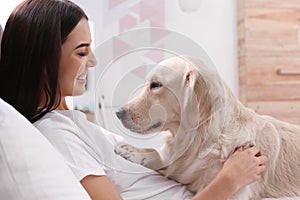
(82, 78)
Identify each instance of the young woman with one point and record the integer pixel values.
(46, 55)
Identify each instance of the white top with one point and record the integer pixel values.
(89, 150)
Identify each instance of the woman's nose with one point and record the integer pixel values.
(92, 61)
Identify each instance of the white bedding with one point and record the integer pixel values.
(30, 168)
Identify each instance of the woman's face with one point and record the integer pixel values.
(76, 58)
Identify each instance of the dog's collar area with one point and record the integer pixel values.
(211, 144)
(209, 150)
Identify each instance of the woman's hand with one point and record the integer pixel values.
(241, 168)
(244, 167)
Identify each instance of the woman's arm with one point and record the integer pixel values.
(100, 188)
(242, 168)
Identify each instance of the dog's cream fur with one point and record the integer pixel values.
(207, 123)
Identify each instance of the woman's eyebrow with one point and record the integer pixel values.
(83, 45)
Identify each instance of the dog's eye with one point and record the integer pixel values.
(155, 85)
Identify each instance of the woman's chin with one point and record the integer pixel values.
(78, 92)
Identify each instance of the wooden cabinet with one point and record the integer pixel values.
(269, 57)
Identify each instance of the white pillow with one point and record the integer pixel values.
(30, 167)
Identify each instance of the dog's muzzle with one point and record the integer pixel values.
(122, 113)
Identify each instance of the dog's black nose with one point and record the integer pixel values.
(121, 113)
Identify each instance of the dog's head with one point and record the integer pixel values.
(178, 93)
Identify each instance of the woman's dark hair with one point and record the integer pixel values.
(30, 54)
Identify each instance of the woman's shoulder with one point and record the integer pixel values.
(56, 122)
(53, 117)
(70, 123)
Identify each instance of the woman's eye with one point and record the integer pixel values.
(155, 84)
(82, 54)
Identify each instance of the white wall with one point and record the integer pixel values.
(213, 27)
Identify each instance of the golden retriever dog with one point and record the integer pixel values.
(206, 124)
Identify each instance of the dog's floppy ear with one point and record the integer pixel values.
(190, 77)
(190, 100)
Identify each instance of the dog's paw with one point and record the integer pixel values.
(131, 153)
(124, 150)
(149, 158)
